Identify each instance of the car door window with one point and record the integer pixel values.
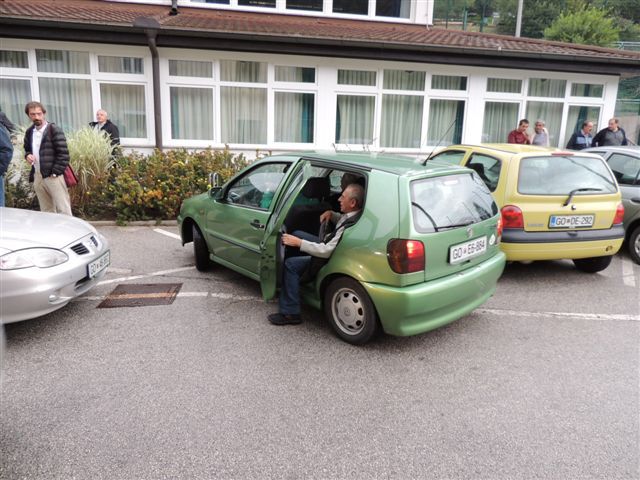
(625, 168)
(487, 168)
(257, 187)
(452, 157)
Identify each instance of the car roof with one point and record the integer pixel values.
(396, 164)
(517, 149)
(634, 150)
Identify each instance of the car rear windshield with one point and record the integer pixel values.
(450, 201)
(560, 175)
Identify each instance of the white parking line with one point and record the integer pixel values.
(582, 316)
(628, 276)
(168, 234)
(224, 296)
(153, 274)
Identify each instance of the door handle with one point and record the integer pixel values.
(635, 200)
(256, 224)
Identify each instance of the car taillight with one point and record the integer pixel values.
(405, 256)
(619, 215)
(512, 217)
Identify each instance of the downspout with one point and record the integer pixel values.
(151, 27)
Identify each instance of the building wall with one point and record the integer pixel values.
(293, 102)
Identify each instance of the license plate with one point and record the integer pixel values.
(571, 221)
(98, 265)
(464, 251)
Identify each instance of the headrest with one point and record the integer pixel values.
(317, 187)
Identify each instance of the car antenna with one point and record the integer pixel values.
(439, 142)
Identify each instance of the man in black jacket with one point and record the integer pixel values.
(103, 123)
(45, 148)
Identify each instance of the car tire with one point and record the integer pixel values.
(200, 251)
(634, 245)
(350, 311)
(592, 265)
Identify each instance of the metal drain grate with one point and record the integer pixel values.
(144, 295)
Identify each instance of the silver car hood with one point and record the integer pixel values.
(27, 228)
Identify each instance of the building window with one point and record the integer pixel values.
(543, 87)
(189, 68)
(219, 2)
(551, 114)
(191, 113)
(295, 74)
(68, 101)
(127, 108)
(403, 80)
(61, 61)
(504, 85)
(448, 82)
(238, 71)
(14, 95)
(393, 8)
(356, 77)
(577, 116)
(243, 115)
(294, 117)
(257, 3)
(312, 5)
(120, 65)
(356, 7)
(354, 119)
(499, 119)
(13, 59)
(592, 90)
(401, 125)
(446, 119)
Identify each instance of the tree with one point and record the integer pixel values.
(536, 16)
(588, 26)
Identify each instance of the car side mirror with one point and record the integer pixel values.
(215, 192)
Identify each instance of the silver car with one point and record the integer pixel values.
(46, 260)
(625, 164)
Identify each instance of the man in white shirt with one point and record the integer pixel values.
(351, 202)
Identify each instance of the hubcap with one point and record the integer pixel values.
(636, 245)
(348, 311)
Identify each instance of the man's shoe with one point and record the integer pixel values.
(284, 319)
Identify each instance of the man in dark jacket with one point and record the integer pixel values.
(104, 124)
(583, 138)
(6, 153)
(45, 148)
(612, 135)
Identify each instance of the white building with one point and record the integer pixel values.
(275, 75)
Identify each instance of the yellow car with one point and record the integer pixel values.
(555, 204)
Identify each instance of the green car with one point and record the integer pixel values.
(424, 253)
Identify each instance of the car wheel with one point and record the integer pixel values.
(200, 251)
(350, 311)
(634, 245)
(592, 265)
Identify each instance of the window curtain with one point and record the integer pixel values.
(68, 102)
(237, 71)
(448, 82)
(243, 115)
(294, 117)
(62, 61)
(354, 119)
(14, 95)
(404, 80)
(393, 8)
(188, 68)
(356, 77)
(295, 74)
(593, 90)
(504, 85)
(13, 59)
(445, 122)
(401, 121)
(120, 64)
(551, 114)
(543, 87)
(126, 107)
(499, 119)
(191, 113)
(577, 116)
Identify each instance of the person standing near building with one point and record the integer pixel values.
(613, 135)
(519, 135)
(8, 124)
(104, 124)
(540, 135)
(45, 148)
(583, 138)
(6, 154)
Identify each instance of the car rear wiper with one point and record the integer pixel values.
(456, 225)
(419, 207)
(576, 190)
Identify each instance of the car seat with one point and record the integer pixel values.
(307, 208)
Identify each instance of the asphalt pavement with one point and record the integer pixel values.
(542, 382)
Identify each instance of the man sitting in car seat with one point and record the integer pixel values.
(351, 202)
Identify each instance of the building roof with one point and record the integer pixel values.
(207, 28)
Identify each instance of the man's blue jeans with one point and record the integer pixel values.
(294, 267)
